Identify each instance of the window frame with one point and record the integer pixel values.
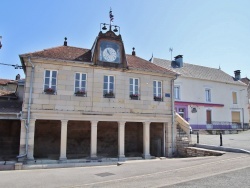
(50, 79)
(134, 85)
(80, 82)
(179, 92)
(236, 97)
(208, 95)
(108, 85)
(156, 88)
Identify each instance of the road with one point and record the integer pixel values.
(192, 172)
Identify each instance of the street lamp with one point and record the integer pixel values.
(0, 42)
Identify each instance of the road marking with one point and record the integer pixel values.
(162, 172)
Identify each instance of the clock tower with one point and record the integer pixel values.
(108, 49)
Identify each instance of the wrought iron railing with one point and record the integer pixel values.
(221, 125)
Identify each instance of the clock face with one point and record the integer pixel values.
(109, 54)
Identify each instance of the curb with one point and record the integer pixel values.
(221, 148)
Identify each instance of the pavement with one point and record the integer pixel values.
(236, 141)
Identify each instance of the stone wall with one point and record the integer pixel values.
(9, 139)
(65, 100)
(107, 139)
(78, 139)
(199, 152)
(181, 145)
(133, 139)
(156, 139)
(47, 139)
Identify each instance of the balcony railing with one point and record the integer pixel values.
(221, 125)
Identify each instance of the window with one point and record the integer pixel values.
(208, 95)
(234, 95)
(157, 90)
(80, 82)
(177, 92)
(50, 80)
(134, 88)
(108, 86)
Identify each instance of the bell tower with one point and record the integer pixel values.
(108, 49)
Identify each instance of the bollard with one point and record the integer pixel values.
(220, 139)
(197, 137)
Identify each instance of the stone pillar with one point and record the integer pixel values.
(146, 140)
(93, 147)
(31, 136)
(22, 148)
(63, 148)
(121, 140)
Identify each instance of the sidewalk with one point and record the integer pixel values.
(240, 141)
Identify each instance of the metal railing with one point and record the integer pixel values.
(221, 125)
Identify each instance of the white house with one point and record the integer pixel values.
(208, 98)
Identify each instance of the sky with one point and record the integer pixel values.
(211, 33)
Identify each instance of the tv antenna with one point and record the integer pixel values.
(171, 51)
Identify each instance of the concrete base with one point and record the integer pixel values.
(146, 156)
(63, 159)
(121, 158)
(18, 166)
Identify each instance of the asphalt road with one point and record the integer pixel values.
(176, 172)
(241, 140)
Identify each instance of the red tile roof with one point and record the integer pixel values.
(6, 81)
(63, 53)
(141, 64)
(80, 54)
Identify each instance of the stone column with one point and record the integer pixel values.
(63, 148)
(93, 147)
(121, 140)
(146, 140)
(22, 148)
(31, 135)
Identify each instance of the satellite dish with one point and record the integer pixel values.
(194, 110)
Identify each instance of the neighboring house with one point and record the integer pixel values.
(208, 98)
(95, 103)
(10, 114)
(247, 81)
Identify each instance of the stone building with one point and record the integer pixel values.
(95, 103)
(10, 114)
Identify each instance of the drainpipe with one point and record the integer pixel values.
(173, 114)
(27, 122)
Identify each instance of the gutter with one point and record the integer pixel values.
(173, 112)
(27, 122)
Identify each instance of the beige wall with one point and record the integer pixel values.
(65, 100)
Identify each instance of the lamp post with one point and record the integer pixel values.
(0, 42)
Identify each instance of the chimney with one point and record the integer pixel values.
(133, 52)
(65, 41)
(179, 60)
(18, 77)
(237, 75)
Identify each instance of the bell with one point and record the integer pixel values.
(115, 30)
(104, 27)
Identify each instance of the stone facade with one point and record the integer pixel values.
(65, 126)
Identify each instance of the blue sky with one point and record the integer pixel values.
(209, 33)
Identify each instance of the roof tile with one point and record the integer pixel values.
(80, 54)
(198, 72)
